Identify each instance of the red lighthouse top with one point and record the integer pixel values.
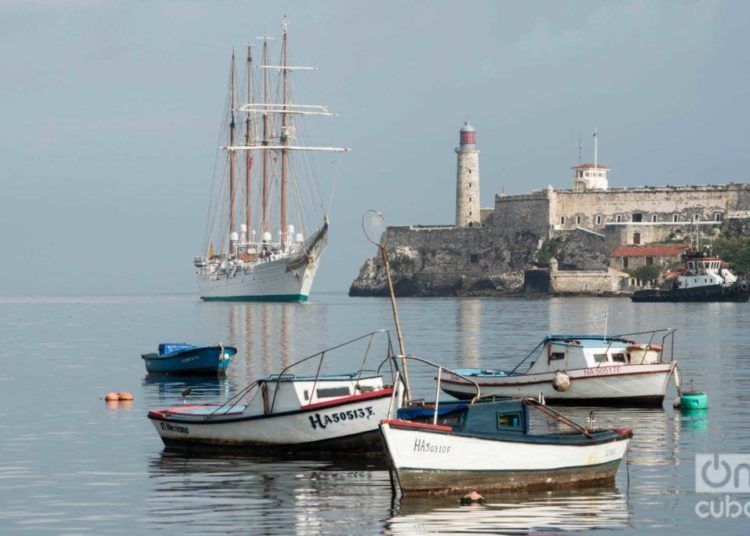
(468, 134)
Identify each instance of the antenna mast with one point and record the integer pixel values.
(249, 141)
(284, 137)
(232, 107)
(596, 148)
(580, 151)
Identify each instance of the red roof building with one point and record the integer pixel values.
(628, 257)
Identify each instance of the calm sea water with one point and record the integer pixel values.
(69, 463)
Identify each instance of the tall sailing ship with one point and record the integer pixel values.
(253, 251)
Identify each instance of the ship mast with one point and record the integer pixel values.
(249, 141)
(232, 107)
(284, 137)
(265, 137)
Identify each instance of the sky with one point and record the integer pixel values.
(111, 111)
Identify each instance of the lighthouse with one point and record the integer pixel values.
(467, 178)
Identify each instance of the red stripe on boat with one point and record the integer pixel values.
(162, 412)
(354, 398)
(409, 424)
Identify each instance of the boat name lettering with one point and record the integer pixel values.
(597, 371)
(321, 421)
(174, 428)
(420, 445)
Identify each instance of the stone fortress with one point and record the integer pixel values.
(548, 240)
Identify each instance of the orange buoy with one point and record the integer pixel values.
(112, 397)
(125, 396)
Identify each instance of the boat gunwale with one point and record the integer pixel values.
(671, 365)
(160, 415)
(155, 355)
(613, 436)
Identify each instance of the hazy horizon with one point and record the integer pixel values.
(112, 112)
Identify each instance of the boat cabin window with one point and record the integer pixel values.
(508, 420)
(619, 358)
(600, 358)
(554, 356)
(330, 392)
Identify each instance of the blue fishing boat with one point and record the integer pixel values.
(183, 358)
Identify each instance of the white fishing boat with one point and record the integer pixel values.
(308, 412)
(253, 252)
(582, 370)
(486, 444)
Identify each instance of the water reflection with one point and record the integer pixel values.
(265, 494)
(168, 389)
(468, 331)
(513, 513)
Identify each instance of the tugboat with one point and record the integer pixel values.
(703, 278)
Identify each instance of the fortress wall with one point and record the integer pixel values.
(619, 234)
(584, 281)
(436, 249)
(523, 214)
(581, 208)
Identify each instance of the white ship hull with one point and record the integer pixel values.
(611, 385)
(353, 421)
(428, 460)
(284, 279)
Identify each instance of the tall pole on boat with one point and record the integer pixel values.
(232, 125)
(265, 136)
(399, 335)
(284, 137)
(372, 221)
(249, 142)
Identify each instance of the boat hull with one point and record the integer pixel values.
(287, 279)
(348, 423)
(709, 293)
(205, 360)
(624, 385)
(433, 461)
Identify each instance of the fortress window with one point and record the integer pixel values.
(636, 238)
(578, 220)
(619, 219)
(653, 218)
(637, 217)
(474, 258)
(695, 217)
(598, 220)
(624, 262)
(674, 218)
(718, 216)
(562, 220)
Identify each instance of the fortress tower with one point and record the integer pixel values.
(467, 179)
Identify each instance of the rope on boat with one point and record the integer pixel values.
(557, 416)
(230, 402)
(528, 355)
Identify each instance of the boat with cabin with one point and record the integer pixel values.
(582, 370)
(701, 278)
(489, 444)
(187, 359)
(315, 412)
(253, 252)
